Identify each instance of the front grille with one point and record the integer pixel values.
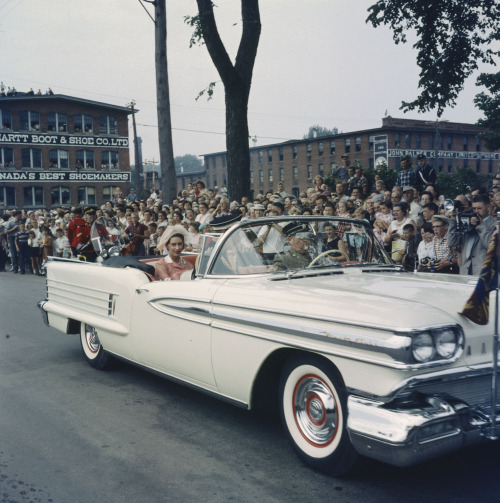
(475, 390)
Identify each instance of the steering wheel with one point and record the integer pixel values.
(332, 253)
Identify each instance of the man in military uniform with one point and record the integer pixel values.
(297, 257)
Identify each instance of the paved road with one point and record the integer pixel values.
(69, 433)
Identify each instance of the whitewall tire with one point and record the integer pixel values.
(92, 348)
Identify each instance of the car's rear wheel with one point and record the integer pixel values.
(313, 407)
(92, 348)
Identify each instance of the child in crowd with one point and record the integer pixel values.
(342, 210)
(61, 243)
(152, 228)
(412, 240)
(194, 237)
(425, 249)
(383, 219)
(47, 244)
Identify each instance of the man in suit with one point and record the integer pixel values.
(473, 242)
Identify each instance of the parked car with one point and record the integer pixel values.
(360, 356)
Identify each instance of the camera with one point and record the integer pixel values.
(429, 261)
(463, 216)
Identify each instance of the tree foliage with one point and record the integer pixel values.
(461, 182)
(489, 104)
(317, 131)
(190, 162)
(453, 37)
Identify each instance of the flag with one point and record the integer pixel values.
(477, 307)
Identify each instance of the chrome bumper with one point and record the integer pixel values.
(407, 433)
(45, 316)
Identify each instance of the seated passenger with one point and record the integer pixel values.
(173, 265)
(297, 257)
(333, 242)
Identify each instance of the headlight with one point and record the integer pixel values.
(423, 348)
(446, 343)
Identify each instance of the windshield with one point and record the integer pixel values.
(282, 244)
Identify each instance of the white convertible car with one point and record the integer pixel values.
(311, 315)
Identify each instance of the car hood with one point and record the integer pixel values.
(362, 295)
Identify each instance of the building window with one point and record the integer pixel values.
(33, 196)
(357, 145)
(370, 143)
(251, 177)
(270, 175)
(6, 119)
(371, 163)
(321, 169)
(86, 195)
(223, 161)
(6, 158)
(466, 143)
(440, 142)
(450, 165)
(418, 141)
(408, 140)
(224, 179)
(60, 195)
(214, 163)
(397, 140)
(109, 160)
(294, 152)
(478, 144)
(450, 142)
(431, 141)
(309, 172)
(30, 121)
(270, 155)
(347, 145)
(57, 123)
(332, 147)
(31, 158)
(108, 125)
(261, 177)
(478, 165)
(7, 196)
(260, 156)
(295, 174)
(490, 166)
(58, 159)
(282, 175)
(320, 148)
(107, 192)
(215, 181)
(83, 123)
(85, 159)
(280, 153)
(309, 148)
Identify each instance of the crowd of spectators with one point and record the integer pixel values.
(12, 91)
(410, 221)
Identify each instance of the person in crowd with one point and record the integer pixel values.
(473, 241)
(11, 228)
(362, 181)
(194, 237)
(445, 259)
(334, 242)
(383, 219)
(412, 241)
(22, 247)
(137, 233)
(341, 173)
(173, 265)
(425, 174)
(47, 244)
(61, 243)
(406, 176)
(425, 248)
(393, 236)
(132, 196)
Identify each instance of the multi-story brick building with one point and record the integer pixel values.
(61, 150)
(448, 145)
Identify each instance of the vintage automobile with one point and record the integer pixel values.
(308, 314)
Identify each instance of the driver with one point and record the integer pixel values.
(297, 257)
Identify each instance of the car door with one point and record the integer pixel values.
(171, 328)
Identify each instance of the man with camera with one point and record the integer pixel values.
(471, 234)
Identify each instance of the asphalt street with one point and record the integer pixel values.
(69, 433)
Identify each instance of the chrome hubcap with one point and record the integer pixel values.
(92, 339)
(315, 410)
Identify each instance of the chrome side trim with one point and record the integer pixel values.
(186, 309)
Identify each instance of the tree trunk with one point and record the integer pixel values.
(168, 177)
(237, 79)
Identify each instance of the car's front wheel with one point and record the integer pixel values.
(92, 348)
(314, 413)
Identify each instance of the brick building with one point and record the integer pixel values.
(447, 145)
(60, 150)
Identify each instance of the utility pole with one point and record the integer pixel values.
(137, 157)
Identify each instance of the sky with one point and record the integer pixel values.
(318, 62)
